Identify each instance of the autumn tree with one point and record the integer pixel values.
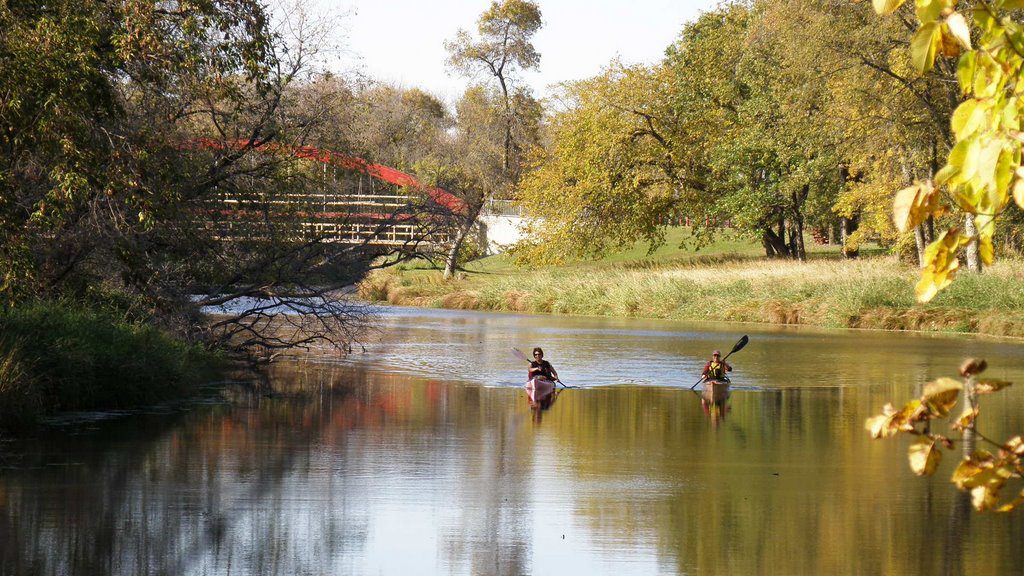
(125, 124)
(502, 49)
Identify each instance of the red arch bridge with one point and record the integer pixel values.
(341, 199)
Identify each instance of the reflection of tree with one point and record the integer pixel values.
(281, 485)
(304, 481)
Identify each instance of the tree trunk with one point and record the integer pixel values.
(921, 243)
(769, 250)
(791, 240)
(848, 226)
(801, 249)
(973, 257)
(774, 244)
(453, 253)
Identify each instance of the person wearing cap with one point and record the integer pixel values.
(716, 368)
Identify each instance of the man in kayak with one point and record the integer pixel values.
(541, 368)
(716, 368)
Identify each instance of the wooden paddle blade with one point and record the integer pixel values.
(519, 354)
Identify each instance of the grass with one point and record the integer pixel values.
(729, 280)
(57, 356)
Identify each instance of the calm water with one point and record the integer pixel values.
(424, 455)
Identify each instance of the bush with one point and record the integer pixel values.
(59, 356)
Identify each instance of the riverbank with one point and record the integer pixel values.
(61, 356)
(731, 283)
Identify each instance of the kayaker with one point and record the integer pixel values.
(716, 368)
(540, 367)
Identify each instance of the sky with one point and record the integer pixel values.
(402, 41)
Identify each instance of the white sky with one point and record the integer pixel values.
(402, 41)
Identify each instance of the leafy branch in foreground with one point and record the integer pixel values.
(983, 473)
(983, 170)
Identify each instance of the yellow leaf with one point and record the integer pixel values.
(984, 497)
(958, 29)
(924, 45)
(940, 396)
(913, 411)
(886, 6)
(876, 425)
(914, 204)
(1009, 506)
(890, 422)
(924, 457)
(968, 118)
(965, 420)
(985, 249)
(990, 386)
(965, 473)
(1015, 445)
(929, 10)
(965, 72)
(940, 264)
(1018, 193)
(972, 366)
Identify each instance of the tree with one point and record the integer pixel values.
(470, 162)
(124, 125)
(612, 169)
(397, 127)
(503, 46)
(726, 128)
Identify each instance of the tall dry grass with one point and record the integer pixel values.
(875, 292)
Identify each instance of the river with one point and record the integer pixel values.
(423, 454)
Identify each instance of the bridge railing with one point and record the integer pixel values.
(503, 208)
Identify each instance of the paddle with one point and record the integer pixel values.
(739, 346)
(519, 354)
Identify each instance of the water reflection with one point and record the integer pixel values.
(714, 399)
(352, 468)
(541, 395)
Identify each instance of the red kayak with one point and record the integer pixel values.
(539, 387)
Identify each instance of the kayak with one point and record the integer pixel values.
(716, 391)
(538, 388)
(539, 383)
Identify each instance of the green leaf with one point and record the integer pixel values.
(924, 457)
(965, 71)
(968, 117)
(929, 10)
(924, 45)
(987, 76)
(886, 6)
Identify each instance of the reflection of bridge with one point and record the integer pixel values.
(343, 199)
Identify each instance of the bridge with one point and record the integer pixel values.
(339, 198)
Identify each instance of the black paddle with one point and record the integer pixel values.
(739, 346)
